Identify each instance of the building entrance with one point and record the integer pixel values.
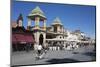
(41, 39)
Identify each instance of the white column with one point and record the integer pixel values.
(44, 24)
(36, 35)
(52, 28)
(20, 23)
(58, 29)
(44, 39)
(37, 19)
(29, 22)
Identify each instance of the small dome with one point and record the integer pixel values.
(57, 21)
(37, 10)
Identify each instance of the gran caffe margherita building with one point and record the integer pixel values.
(54, 35)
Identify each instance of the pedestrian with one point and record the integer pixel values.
(40, 52)
(45, 48)
(27, 47)
(35, 46)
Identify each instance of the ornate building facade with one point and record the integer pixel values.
(55, 33)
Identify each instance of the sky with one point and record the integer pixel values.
(73, 17)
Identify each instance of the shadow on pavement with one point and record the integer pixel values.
(54, 61)
(91, 54)
(75, 52)
(64, 60)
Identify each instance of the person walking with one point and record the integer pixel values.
(45, 47)
(39, 51)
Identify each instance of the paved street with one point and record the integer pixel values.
(52, 57)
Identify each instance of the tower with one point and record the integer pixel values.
(20, 21)
(57, 26)
(37, 15)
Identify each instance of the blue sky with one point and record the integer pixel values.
(72, 16)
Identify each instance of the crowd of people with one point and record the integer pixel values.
(41, 49)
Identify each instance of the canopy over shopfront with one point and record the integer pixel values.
(22, 38)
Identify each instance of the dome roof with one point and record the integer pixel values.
(57, 21)
(37, 11)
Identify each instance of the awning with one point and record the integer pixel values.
(14, 40)
(56, 39)
(22, 38)
(29, 38)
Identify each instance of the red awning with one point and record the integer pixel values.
(29, 38)
(22, 38)
(14, 41)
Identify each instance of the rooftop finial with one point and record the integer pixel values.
(20, 20)
(20, 17)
